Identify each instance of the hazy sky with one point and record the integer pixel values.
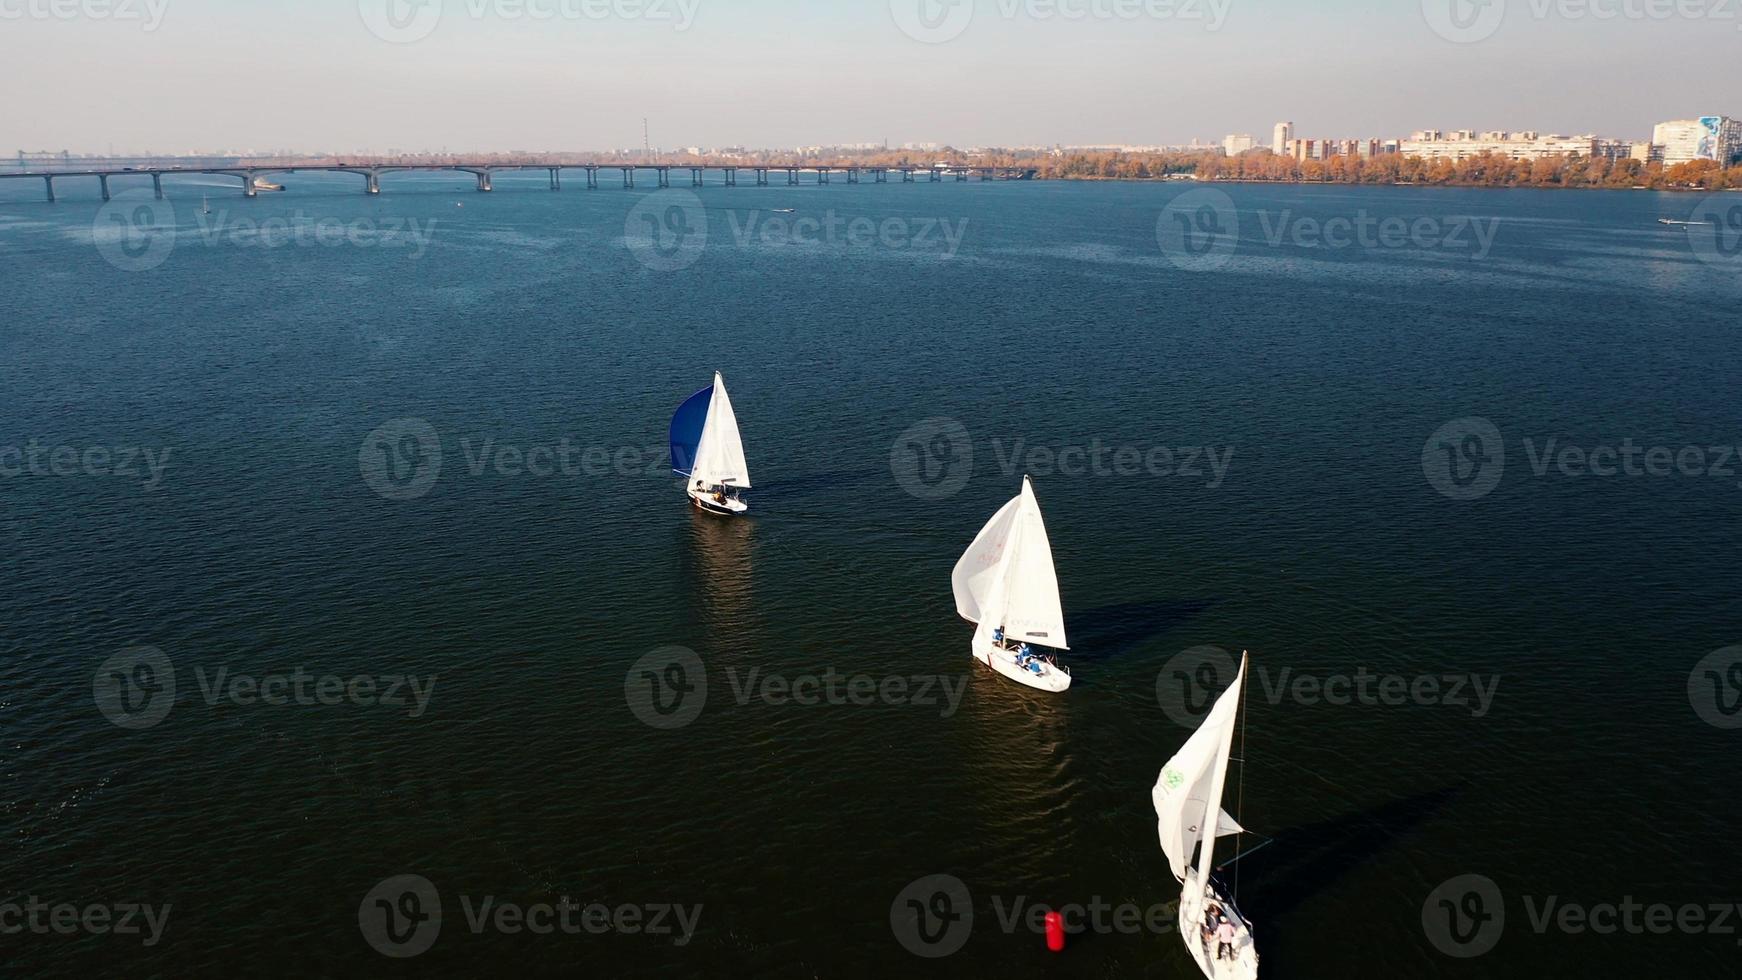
(179, 75)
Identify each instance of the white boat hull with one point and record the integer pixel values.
(1243, 965)
(732, 507)
(1050, 678)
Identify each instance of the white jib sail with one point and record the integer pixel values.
(1033, 613)
(720, 453)
(1190, 785)
(1006, 577)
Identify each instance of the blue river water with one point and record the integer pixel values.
(378, 483)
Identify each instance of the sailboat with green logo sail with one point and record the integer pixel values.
(1188, 803)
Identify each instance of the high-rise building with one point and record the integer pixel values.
(1716, 138)
(1234, 145)
(1283, 136)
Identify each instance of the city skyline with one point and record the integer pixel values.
(489, 75)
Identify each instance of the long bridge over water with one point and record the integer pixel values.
(252, 177)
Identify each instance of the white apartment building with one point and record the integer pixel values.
(1707, 138)
(1462, 144)
(1234, 145)
(1283, 136)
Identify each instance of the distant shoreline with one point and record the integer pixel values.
(1401, 183)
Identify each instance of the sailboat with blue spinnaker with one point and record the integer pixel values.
(708, 451)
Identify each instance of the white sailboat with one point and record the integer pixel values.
(1187, 792)
(1006, 585)
(205, 204)
(708, 452)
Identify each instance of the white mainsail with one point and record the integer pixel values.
(1006, 577)
(720, 453)
(1190, 786)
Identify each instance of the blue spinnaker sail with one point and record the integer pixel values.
(686, 430)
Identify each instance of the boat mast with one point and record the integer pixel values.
(1213, 807)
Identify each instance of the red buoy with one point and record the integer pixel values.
(1055, 932)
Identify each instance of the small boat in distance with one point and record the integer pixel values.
(1672, 221)
(785, 210)
(262, 184)
(1006, 585)
(1186, 795)
(708, 452)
